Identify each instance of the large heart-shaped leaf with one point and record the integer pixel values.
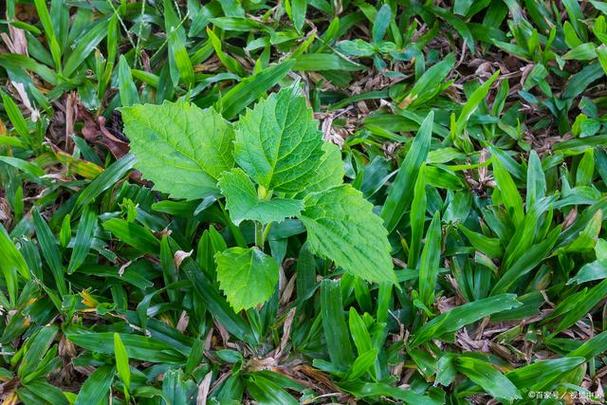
(247, 276)
(180, 147)
(341, 226)
(330, 171)
(243, 202)
(278, 143)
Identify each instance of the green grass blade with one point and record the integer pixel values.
(334, 325)
(50, 251)
(96, 387)
(400, 193)
(430, 260)
(463, 315)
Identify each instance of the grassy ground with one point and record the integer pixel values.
(108, 289)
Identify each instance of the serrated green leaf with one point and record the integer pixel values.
(278, 143)
(340, 222)
(243, 203)
(330, 172)
(247, 276)
(209, 293)
(180, 147)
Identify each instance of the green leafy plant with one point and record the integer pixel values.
(270, 165)
(475, 129)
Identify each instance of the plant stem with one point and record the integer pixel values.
(259, 235)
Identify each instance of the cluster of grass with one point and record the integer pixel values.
(474, 128)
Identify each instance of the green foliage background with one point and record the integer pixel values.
(475, 128)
